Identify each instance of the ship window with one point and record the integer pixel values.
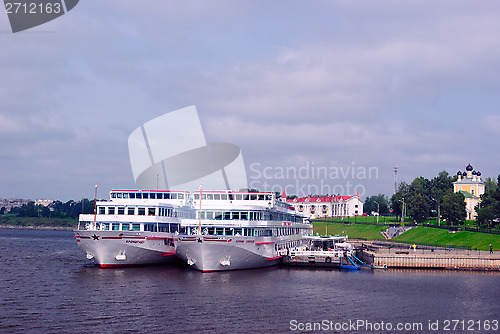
(131, 195)
(269, 197)
(145, 195)
(230, 197)
(152, 196)
(253, 197)
(168, 242)
(236, 215)
(239, 197)
(237, 231)
(151, 211)
(218, 215)
(210, 196)
(227, 215)
(228, 231)
(244, 215)
(173, 196)
(106, 227)
(121, 210)
(223, 197)
(180, 196)
(209, 215)
(102, 210)
(141, 212)
(127, 227)
(119, 195)
(138, 195)
(136, 227)
(196, 196)
(111, 210)
(116, 226)
(261, 197)
(166, 196)
(131, 211)
(125, 195)
(217, 197)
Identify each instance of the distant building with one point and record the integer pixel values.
(9, 203)
(327, 206)
(44, 202)
(469, 183)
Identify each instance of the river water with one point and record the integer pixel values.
(48, 286)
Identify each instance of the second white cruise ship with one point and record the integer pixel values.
(239, 230)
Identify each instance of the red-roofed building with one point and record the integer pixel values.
(327, 206)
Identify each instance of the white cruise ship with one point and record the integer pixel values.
(134, 227)
(224, 230)
(239, 230)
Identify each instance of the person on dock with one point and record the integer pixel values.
(491, 249)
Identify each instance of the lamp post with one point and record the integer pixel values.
(403, 211)
(439, 211)
(378, 210)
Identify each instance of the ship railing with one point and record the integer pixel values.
(332, 252)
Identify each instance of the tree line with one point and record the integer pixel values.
(424, 198)
(56, 209)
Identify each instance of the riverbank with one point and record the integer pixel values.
(406, 256)
(421, 235)
(41, 223)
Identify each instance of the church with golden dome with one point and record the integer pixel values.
(469, 183)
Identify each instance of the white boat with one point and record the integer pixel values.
(239, 230)
(133, 228)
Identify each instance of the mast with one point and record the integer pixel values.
(199, 213)
(95, 206)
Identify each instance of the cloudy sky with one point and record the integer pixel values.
(338, 85)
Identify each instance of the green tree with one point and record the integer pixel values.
(397, 199)
(453, 208)
(370, 205)
(488, 211)
(419, 207)
(489, 185)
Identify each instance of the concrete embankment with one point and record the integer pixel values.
(428, 258)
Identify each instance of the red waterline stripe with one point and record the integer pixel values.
(158, 238)
(273, 258)
(265, 243)
(168, 254)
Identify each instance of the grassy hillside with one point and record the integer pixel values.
(370, 232)
(38, 222)
(420, 235)
(427, 235)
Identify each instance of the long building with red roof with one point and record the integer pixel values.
(327, 206)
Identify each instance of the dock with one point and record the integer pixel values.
(424, 257)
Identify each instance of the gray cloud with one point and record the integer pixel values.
(377, 84)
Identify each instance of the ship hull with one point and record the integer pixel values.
(226, 253)
(118, 249)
